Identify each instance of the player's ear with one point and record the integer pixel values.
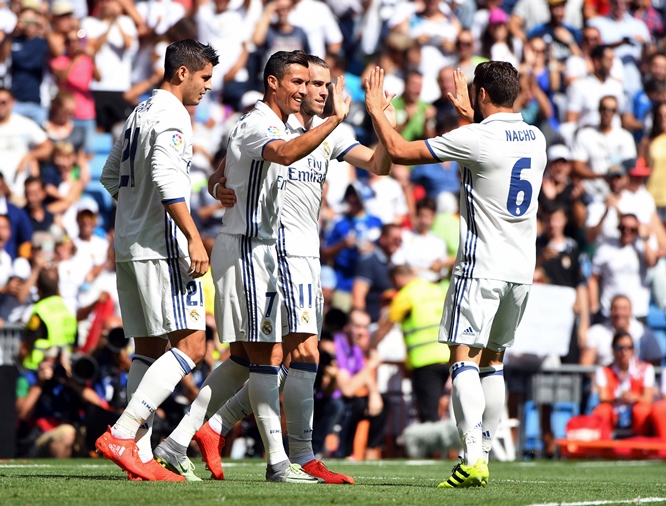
(182, 73)
(272, 82)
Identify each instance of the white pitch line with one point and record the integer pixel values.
(638, 500)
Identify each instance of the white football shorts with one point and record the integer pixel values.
(158, 297)
(303, 300)
(247, 298)
(482, 313)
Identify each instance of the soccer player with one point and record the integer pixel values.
(245, 262)
(299, 279)
(502, 161)
(159, 253)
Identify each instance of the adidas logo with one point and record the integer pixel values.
(468, 332)
(117, 449)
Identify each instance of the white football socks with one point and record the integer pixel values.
(298, 402)
(494, 392)
(468, 406)
(221, 384)
(157, 385)
(264, 393)
(140, 364)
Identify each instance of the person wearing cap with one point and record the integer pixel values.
(557, 187)
(596, 148)
(497, 42)
(62, 22)
(28, 51)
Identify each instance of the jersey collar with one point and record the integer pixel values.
(504, 116)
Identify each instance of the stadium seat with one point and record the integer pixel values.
(95, 190)
(561, 413)
(102, 143)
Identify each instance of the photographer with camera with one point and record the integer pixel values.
(50, 402)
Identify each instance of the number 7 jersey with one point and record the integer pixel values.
(148, 167)
(502, 161)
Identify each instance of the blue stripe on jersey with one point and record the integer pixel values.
(341, 157)
(253, 194)
(181, 361)
(250, 289)
(177, 292)
(432, 152)
(173, 201)
(267, 143)
(469, 254)
(265, 369)
(287, 281)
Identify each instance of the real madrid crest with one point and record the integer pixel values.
(327, 149)
(194, 314)
(267, 328)
(305, 317)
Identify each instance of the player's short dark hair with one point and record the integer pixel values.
(278, 64)
(500, 80)
(188, 53)
(426, 203)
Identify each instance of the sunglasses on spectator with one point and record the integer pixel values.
(603, 108)
(618, 347)
(624, 228)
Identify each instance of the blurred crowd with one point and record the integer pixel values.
(593, 79)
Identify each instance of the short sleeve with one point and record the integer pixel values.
(259, 132)
(460, 145)
(600, 377)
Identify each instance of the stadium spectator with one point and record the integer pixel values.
(528, 14)
(351, 235)
(446, 85)
(626, 389)
(386, 198)
(63, 22)
(113, 39)
(60, 127)
(467, 50)
(416, 118)
(423, 251)
(558, 188)
(41, 218)
(497, 42)
(320, 25)
(29, 52)
(357, 365)
(19, 242)
(579, 66)
(372, 280)
(597, 349)
(653, 150)
(23, 144)
(585, 94)
(418, 307)
(274, 32)
(598, 147)
(74, 72)
(562, 40)
(619, 266)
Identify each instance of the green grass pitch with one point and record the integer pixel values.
(573, 483)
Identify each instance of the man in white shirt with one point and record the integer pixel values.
(502, 162)
(597, 148)
(159, 253)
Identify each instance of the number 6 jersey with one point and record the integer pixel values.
(502, 160)
(149, 166)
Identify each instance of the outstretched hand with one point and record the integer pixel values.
(340, 103)
(460, 100)
(375, 98)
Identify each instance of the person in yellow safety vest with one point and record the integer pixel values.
(418, 307)
(52, 323)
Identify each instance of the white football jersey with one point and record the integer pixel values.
(259, 184)
(148, 167)
(299, 232)
(502, 160)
